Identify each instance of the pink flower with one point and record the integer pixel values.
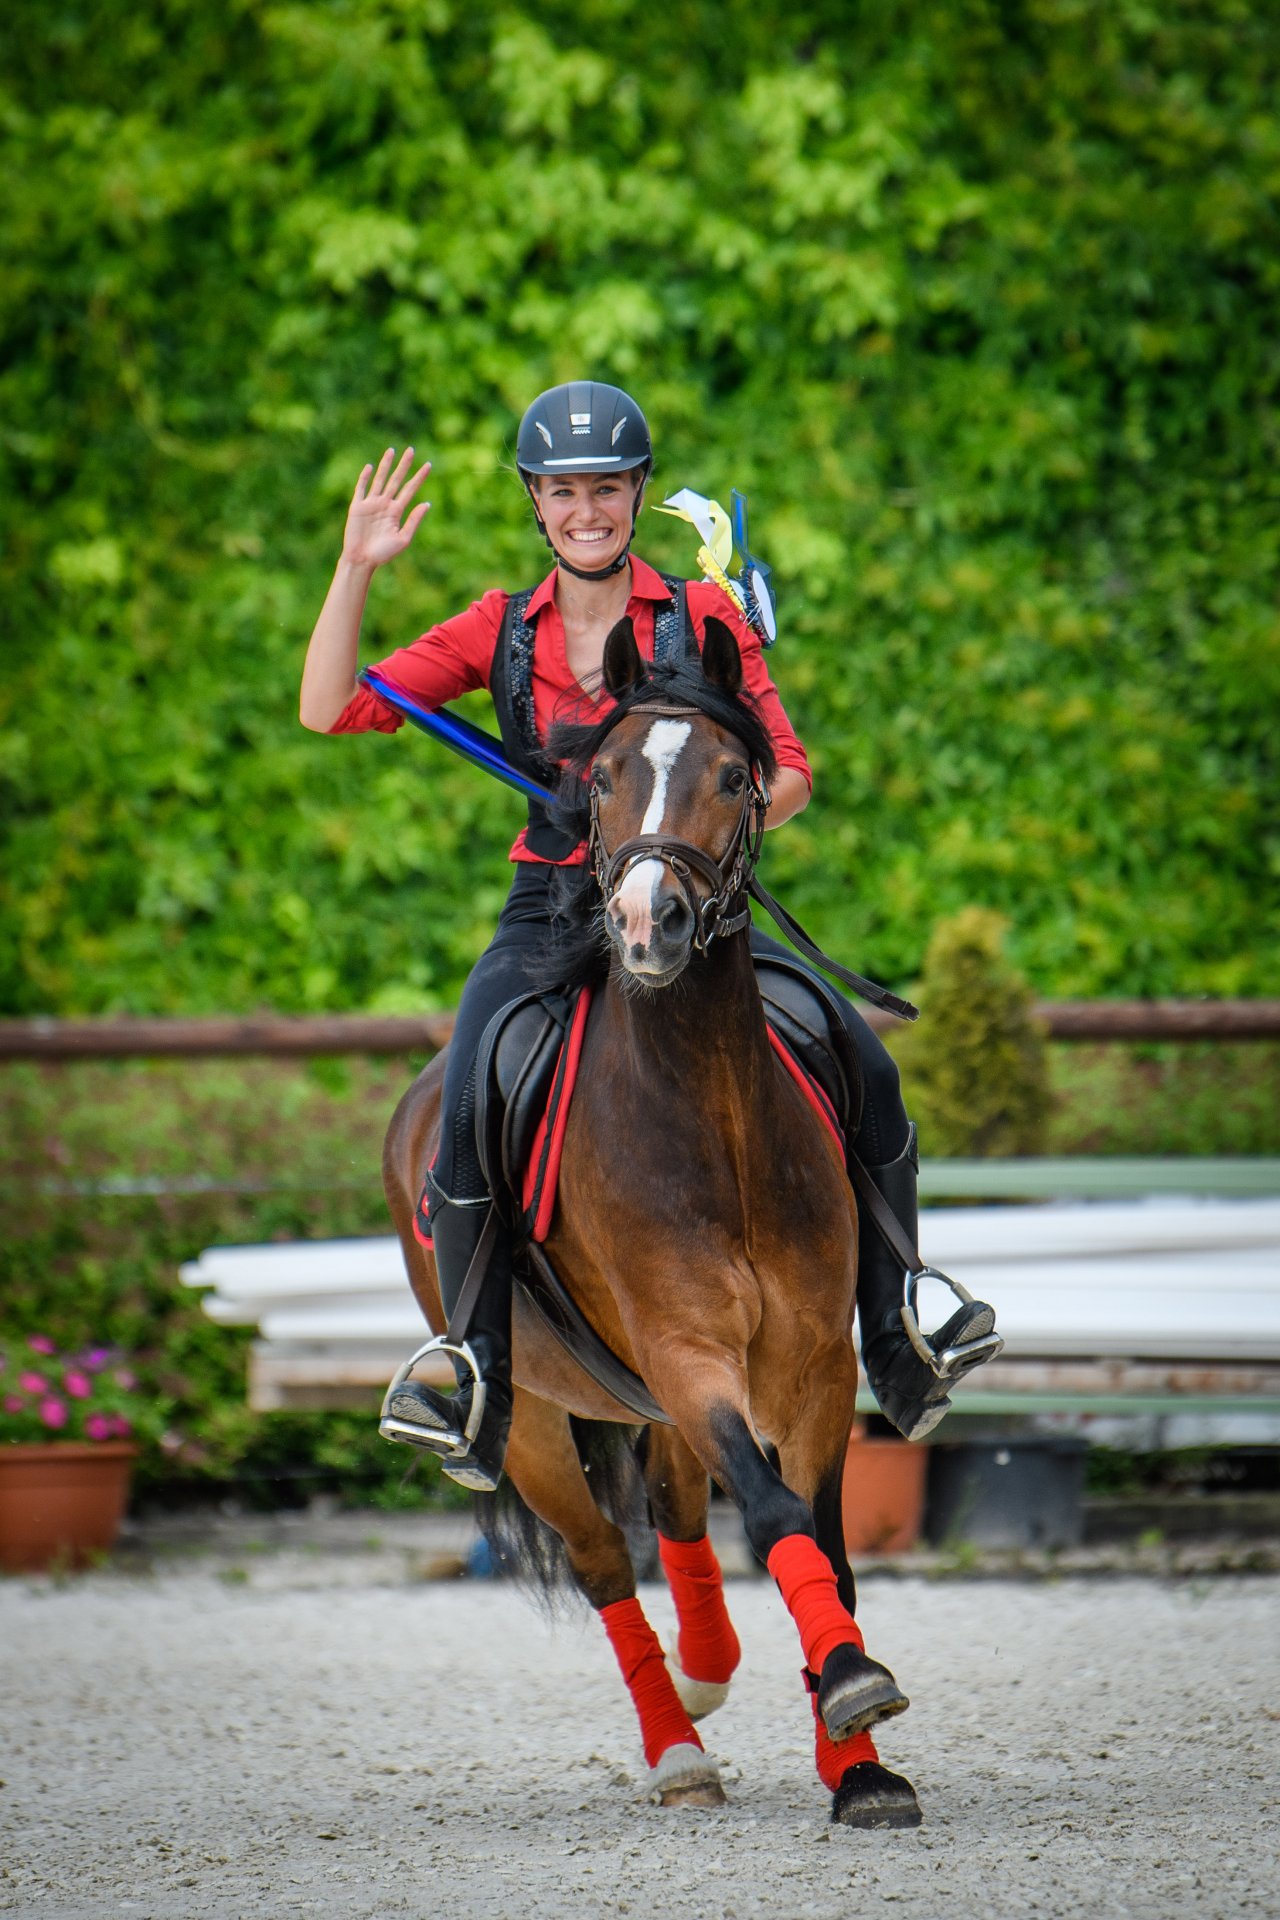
(33, 1383)
(96, 1359)
(53, 1412)
(99, 1426)
(78, 1385)
(14, 1403)
(119, 1425)
(126, 1380)
(41, 1343)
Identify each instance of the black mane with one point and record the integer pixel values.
(576, 952)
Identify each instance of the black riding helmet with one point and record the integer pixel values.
(583, 427)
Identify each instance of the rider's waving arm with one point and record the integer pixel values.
(376, 531)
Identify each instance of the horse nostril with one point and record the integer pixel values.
(672, 918)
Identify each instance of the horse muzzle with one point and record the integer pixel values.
(651, 922)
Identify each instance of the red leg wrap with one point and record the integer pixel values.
(834, 1759)
(663, 1721)
(708, 1645)
(808, 1586)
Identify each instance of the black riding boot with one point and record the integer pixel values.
(438, 1421)
(910, 1393)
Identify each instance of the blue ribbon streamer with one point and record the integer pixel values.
(472, 743)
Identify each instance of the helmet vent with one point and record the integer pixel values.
(542, 430)
(613, 438)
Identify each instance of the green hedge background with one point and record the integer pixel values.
(977, 302)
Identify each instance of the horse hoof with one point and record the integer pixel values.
(685, 1776)
(856, 1692)
(697, 1697)
(870, 1796)
(712, 1795)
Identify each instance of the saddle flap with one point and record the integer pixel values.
(561, 1315)
(515, 1063)
(804, 1014)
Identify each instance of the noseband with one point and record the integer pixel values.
(726, 877)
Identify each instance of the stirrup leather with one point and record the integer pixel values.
(952, 1361)
(452, 1444)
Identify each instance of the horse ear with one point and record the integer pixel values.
(623, 667)
(721, 656)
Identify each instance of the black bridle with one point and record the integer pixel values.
(727, 878)
(731, 876)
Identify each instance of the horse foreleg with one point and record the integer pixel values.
(707, 1649)
(854, 1691)
(543, 1463)
(864, 1793)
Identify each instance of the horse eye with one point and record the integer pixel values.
(734, 780)
(600, 780)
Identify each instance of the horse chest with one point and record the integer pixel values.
(655, 1165)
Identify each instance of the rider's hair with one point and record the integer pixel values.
(576, 951)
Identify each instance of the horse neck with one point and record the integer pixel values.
(708, 1026)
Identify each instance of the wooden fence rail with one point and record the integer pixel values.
(127, 1038)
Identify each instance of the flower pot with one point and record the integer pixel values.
(61, 1504)
(883, 1494)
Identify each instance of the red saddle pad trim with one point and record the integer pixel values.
(812, 1092)
(554, 1124)
(421, 1228)
(548, 1142)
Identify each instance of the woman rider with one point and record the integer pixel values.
(584, 455)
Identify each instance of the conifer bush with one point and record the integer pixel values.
(976, 1068)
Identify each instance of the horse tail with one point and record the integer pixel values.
(526, 1549)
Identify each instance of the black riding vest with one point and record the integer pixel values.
(511, 686)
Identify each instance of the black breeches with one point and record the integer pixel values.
(501, 974)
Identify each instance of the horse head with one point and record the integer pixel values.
(677, 800)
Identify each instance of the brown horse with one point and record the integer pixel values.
(706, 1228)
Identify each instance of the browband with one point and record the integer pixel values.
(662, 706)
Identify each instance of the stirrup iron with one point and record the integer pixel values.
(952, 1362)
(451, 1444)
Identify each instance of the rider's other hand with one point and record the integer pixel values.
(377, 529)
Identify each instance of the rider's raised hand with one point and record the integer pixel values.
(377, 529)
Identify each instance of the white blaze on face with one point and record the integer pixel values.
(633, 903)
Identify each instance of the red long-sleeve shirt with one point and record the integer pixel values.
(456, 657)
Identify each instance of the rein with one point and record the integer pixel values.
(731, 877)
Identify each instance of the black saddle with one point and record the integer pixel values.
(515, 1067)
(805, 1014)
(520, 1078)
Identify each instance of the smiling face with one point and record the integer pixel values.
(588, 516)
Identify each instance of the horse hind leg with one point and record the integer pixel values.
(544, 1466)
(707, 1648)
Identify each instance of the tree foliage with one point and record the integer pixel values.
(977, 302)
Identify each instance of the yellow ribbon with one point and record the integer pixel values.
(709, 518)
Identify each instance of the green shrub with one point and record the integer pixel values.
(975, 1069)
(285, 1152)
